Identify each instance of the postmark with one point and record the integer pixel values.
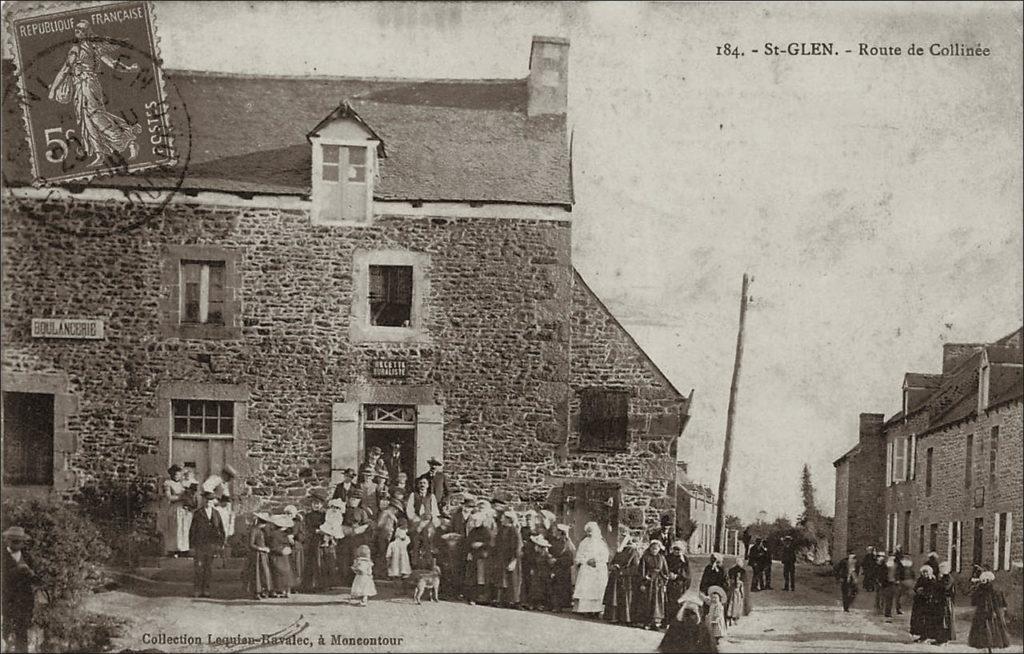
(91, 91)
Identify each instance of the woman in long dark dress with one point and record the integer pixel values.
(298, 540)
(623, 580)
(564, 553)
(507, 561)
(257, 569)
(687, 631)
(280, 555)
(478, 547)
(988, 627)
(678, 575)
(944, 629)
(538, 573)
(653, 579)
(922, 618)
(713, 575)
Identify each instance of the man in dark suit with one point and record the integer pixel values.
(18, 595)
(347, 484)
(461, 518)
(206, 536)
(664, 533)
(788, 563)
(438, 482)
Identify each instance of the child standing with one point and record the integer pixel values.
(716, 613)
(398, 555)
(363, 586)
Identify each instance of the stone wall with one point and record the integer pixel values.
(841, 523)
(866, 509)
(503, 355)
(604, 355)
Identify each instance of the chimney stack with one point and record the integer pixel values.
(548, 84)
(870, 426)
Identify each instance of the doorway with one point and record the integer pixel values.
(591, 501)
(28, 439)
(979, 540)
(204, 455)
(385, 424)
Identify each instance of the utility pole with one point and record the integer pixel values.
(723, 482)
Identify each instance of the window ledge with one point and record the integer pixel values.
(204, 332)
(205, 437)
(379, 334)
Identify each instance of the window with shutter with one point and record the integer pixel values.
(604, 420)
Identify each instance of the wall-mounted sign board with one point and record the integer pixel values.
(388, 368)
(77, 328)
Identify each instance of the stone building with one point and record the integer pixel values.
(342, 263)
(943, 474)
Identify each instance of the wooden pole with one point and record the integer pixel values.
(723, 482)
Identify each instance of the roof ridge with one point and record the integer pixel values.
(339, 78)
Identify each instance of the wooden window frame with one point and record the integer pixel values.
(172, 297)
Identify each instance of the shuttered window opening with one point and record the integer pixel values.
(27, 439)
(604, 420)
(390, 296)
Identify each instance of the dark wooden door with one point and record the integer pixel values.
(28, 439)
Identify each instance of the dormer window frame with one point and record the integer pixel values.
(319, 184)
(984, 384)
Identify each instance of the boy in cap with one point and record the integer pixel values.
(18, 595)
(369, 490)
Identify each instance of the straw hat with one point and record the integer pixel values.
(262, 515)
(717, 590)
(15, 533)
(282, 521)
(540, 540)
(291, 510)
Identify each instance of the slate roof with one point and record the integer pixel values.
(922, 380)
(461, 141)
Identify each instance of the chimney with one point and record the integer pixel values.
(548, 84)
(953, 354)
(870, 426)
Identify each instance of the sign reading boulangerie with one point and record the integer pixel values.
(67, 328)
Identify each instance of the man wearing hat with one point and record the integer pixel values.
(393, 460)
(460, 521)
(206, 536)
(788, 558)
(347, 483)
(18, 595)
(369, 501)
(438, 480)
(665, 533)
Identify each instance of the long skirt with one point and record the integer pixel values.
(363, 586)
(281, 572)
(687, 635)
(176, 522)
(257, 574)
(620, 599)
(561, 589)
(674, 589)
(318, 567)
(921, 617)
(944, 628)
(653, 601)
(298, 560)
(734, 608)
(988, 630)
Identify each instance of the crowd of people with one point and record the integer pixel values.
(930, 594)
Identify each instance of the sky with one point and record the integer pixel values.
(876, 200)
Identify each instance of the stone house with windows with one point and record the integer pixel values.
(342, 263)
(943, 474)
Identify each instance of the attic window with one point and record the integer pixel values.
(345, 183)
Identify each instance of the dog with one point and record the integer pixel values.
(427, 580)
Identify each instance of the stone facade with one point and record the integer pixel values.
(509, 335)
(863, 469)
(929, 491)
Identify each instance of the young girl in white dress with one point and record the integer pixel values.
(363, 586)
(398, 555)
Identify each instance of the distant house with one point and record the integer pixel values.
(696, 503)
(945, 473)
(344, 263)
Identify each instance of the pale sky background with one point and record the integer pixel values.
(877, 201)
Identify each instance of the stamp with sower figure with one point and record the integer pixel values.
(91, 90)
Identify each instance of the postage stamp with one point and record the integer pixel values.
(91, 90)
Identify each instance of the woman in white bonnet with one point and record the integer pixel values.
(592, 578)
(988, 627)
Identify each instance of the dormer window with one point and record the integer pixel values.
(344, 157)
(345, 185)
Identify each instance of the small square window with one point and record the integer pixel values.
(331, 153)
(604, 420)
(390, 296)
(330, 173)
